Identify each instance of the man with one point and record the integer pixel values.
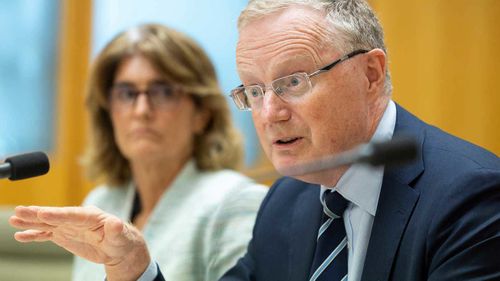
(315, 77)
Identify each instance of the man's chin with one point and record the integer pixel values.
(295, 170)
(294, 167)
(307, 173)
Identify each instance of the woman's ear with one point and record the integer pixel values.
(375, 70)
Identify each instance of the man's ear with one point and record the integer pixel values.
(375, 69)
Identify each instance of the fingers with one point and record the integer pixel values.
(27, 213)
(63, 223)
(82, 216)
(33, 236)
(23, 224)
(56, 216)
(84, 231)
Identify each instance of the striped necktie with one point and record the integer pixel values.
(330, 257)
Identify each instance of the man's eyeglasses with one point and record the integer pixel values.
(159, 95)
(286, 88)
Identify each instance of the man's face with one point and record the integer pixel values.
(333, 117)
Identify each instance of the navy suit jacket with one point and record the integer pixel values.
(437, 218)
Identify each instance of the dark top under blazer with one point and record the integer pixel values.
(437, 218)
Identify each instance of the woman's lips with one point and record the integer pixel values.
(143, 132)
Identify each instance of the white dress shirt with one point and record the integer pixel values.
(361, 185)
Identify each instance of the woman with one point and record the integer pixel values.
(163, 142)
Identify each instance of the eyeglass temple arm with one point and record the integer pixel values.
(331, 65)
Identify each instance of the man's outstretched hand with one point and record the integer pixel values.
(87, 232)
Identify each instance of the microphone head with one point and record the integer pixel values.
(399, 150)
(28, 165)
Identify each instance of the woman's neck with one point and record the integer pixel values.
(152, 180)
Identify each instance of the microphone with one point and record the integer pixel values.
(24, 166)
(397, 151)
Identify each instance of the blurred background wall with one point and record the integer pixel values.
(443, 57)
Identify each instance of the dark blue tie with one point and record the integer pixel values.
(330, 257)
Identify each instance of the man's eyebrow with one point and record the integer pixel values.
(294, 64)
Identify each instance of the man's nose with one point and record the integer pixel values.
(274, 109)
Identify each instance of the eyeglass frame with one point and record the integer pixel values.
(175, 91)
(263, 90)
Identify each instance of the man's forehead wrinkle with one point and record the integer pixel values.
(312, 26)
(290, 55)
(293, 41)
(299, 52)
(299, 40)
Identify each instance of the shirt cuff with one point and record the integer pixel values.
(150, 273)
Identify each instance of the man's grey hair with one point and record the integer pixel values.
(353, 23)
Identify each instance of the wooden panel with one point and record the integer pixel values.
(444, 60)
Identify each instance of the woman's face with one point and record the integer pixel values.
(152, 120)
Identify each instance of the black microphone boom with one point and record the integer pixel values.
(397, 151)
(24, 166)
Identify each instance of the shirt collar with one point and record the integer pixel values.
(361, 183)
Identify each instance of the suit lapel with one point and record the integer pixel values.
(396, 203)
(305, 222)
(395, 207)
